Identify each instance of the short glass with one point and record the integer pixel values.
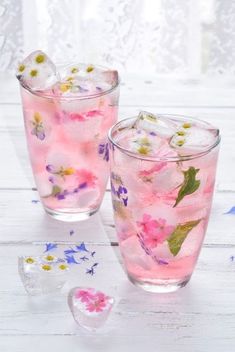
(161, 209)
(68, 147)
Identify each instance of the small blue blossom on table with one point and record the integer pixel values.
(231, 211)
(50, 247)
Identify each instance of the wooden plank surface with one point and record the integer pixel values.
(198, 318)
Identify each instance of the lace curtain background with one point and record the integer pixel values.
(179, 38)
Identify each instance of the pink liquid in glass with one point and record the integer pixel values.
(67, 141)
(162, 181)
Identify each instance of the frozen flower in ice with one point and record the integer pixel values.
(86, 177)
(154, 231)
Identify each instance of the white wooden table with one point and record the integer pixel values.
(198, 318)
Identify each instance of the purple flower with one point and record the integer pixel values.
(71, 232)
(70, 251)
(84, 258)
(231, 211)
(50, 247)
(83, 185)
(82, 247)
(149, 252)
(103, 149)
(49, 168)
(90, 271)
(153, 133)
(71, 260)
(51, 179)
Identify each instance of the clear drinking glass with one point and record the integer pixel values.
(162, 203)
(68, 148)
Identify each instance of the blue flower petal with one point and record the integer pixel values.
(231, 211)
(70, 251)
(71, 260)
(50, 247)
(82, 247)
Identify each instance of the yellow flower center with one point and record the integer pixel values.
(29, 260)
(144, 141)
(181, 133)
(50, 258)
(40, 58)
(180, 142)
(187, 125)
(33, 73)
(74, 70)
(90, 68)
(21, 68)
(64, 87)
(37, 117)
(70, 78)
(46, 267)
(69, 171)
(63, 266)
(143, 150)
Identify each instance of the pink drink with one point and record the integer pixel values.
(162, 181)
(66, 128)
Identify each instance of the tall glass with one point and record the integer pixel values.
(161, 208)
(68, 148)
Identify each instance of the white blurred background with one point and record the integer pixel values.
(189, 39)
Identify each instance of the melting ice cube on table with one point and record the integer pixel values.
(90, 308)
(37, 71)
(42, 274)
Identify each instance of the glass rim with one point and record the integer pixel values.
(171, 158)
(41, 94)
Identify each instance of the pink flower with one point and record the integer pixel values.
(93, 113)
(84, 295)
(76, 117)
(85, 176)
(157, 167)
(154, 231)
(98, 303)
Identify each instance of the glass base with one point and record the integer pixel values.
(70, 215)
(160, 286)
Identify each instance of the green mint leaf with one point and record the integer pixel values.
(55, 190)
(190, 184)
(179, 235)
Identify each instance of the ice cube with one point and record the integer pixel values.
(88, 197)
(89, 307)
(159, 125)
(193, 139)
(42, 274)
(37, 71)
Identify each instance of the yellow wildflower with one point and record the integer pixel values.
(33, 73)
(74, 70)
(64, 87)
(50, 258)
(21, 68)
(69, 171)
(180, 142)
(63, 267)
(37, 117)
(40, 58)
(30, 260)
(187, 125)
(143, 150)
(46, 267)
(90, 69)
